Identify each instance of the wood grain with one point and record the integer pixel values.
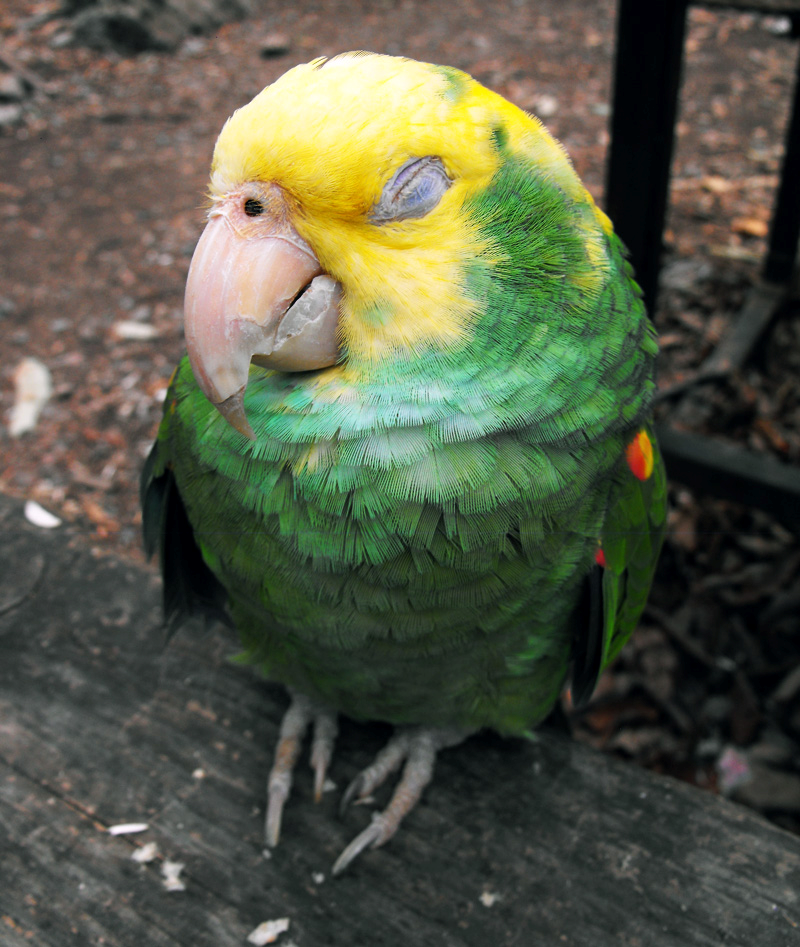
(514, 844)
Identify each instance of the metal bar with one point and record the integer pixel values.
(785, 227)
(649, 53)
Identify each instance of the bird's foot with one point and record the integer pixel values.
(418, 747)
(302, 712)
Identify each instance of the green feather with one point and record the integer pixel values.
(426, 564)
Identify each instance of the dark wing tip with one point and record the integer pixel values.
(190, 587)
(587, 649)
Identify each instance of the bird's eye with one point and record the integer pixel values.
(253, 208)
(415, 189)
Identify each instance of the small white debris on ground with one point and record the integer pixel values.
(145, 854)
(136, 331)
(199, 773)
(128, 828)
(171, 872)
(318, 878)
(33, 387)
(489, 898)
(268, 932)
(39, 516)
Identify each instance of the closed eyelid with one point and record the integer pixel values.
(399, 200)
(408, 169)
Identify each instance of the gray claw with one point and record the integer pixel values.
(418, 748)
(325, 731)
(373, 835)
(353, 790)
(301, 712)
(278, 794)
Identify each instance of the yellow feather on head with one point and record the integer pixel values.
(403, 282)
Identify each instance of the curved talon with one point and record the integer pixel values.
(295, 722)
(374, 834)
(385, 763)
(325, 732)
(418, 748)
(353, 790)
(293, 727)
(320, 768)
(276, 799)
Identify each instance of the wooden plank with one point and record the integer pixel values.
(760, 306)
(732, 473)
(751, 6)
(515, 843)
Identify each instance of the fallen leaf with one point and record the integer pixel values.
(716, 184)
(751, 226)
(98, 515)
(39, 516)
(33, 387)
(772, 434)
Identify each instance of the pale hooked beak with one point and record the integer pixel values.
(255, 292)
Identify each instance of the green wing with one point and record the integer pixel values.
(189, 587)
(617, 588)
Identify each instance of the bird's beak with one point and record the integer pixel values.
(255, 292)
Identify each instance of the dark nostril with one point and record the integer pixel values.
(253, 208)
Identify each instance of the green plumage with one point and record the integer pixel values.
(416, 548)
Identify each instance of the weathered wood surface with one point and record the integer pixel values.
(100, 724)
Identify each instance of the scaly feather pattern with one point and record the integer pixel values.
(408, 535)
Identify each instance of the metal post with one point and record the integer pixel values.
(785, 227)
(650, 35)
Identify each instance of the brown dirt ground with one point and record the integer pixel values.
(103, 177)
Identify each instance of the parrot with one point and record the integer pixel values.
(409, 454)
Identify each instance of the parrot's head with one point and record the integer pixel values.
(347, 222)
